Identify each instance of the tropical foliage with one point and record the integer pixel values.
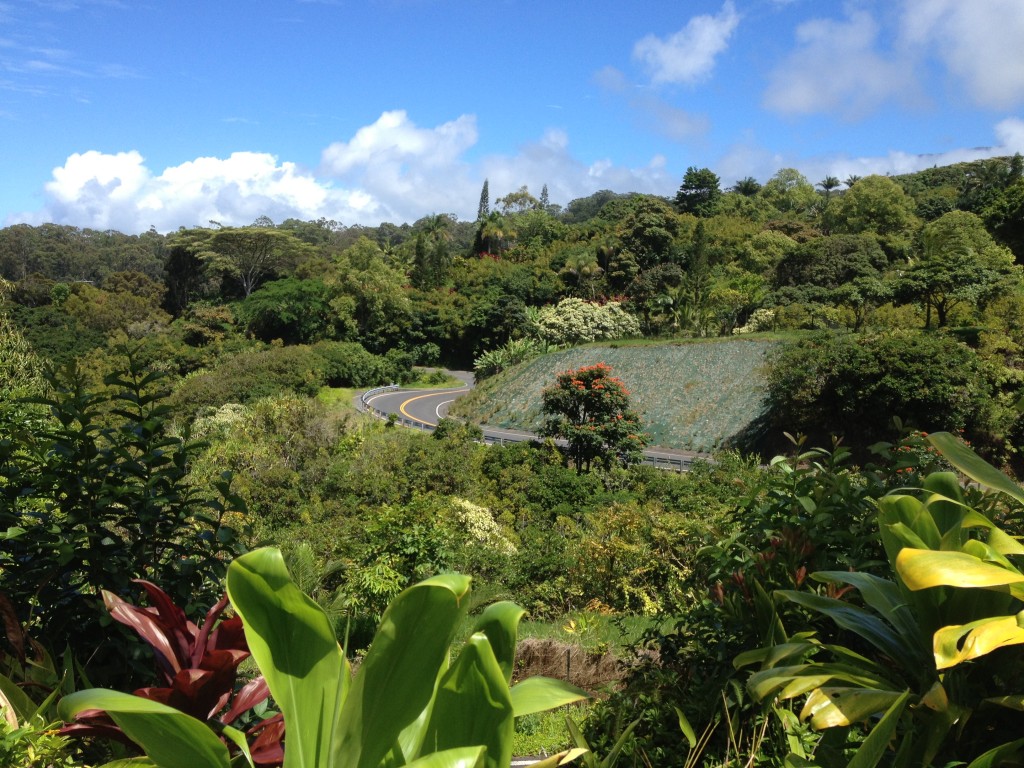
(407, 703)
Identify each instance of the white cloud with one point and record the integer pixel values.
(391, 170)
(979, 42)
(748, 159)
(836, 68)
(688, 56)
(394, 139)
(550, 161)
(117, 191)
(410, 170)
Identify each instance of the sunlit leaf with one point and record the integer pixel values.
(540, 694)
(294, 645)
(837, 706)
(959, 643)
(921, 569)
(169, 737)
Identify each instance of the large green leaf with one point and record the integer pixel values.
(22, 705)
(909, 511)
(832, 706)
(959, 643)
(169, 737)
(464, 757)
(869, 626)
(500, 622)
(889, 601)
(999, 755)
(874, 747)
(972, 465)
(923, 568)
(788, 682)
(293, 643)
(773, 655)
(539, 694)
(472, 706)
(396, 680)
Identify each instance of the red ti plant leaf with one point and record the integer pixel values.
(199, 666)
(267, 748)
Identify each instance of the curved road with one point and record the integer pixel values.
(424, 408)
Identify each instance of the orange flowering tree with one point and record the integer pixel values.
(589, 409)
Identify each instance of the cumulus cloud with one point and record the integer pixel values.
(688, 56)
(836, 67)
(407, 168)
(117, 191)
(391, 170)
(394, 139)
(979, 42)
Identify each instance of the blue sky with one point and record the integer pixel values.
(137, 113)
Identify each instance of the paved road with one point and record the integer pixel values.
(424, 408)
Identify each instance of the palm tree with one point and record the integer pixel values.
(828, 184)
(748, 187)
(852, 179)
(493, 233)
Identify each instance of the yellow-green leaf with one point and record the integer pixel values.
(169, 737)
(834, 706)
(958, 643)
(923, 568)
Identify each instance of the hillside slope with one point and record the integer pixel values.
(695, 396)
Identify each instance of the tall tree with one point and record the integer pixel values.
(699, 193)
(485, 203)
(249, 255)
(544, 201)
(960, 264)
(519, 201)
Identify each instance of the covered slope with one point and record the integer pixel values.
(694, 396)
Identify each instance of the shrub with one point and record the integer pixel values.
(249, 376)
(95, 497)
(853, 385)
(295, 311)
(575, 321)
(348, 364)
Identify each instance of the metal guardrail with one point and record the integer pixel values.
(658, 461)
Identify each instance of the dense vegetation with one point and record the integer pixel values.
(169, 401)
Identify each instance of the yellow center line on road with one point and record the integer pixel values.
(420, 397)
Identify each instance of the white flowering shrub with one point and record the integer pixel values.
(762, 319)
(575, 321)
(480, 526)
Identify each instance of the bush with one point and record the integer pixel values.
(575, 321)
(97, 496)
(249, 376)
(853, 385)
(350, 365)
(295, 311)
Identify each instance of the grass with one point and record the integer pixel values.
(545, 733)
(433, 378)
(337, 398)
(692, 394)
(592, 631)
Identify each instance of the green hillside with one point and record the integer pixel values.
(696, 396)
